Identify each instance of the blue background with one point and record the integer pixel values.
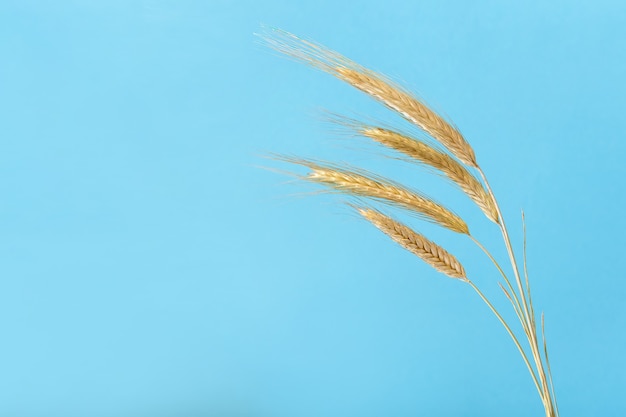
(149, 266)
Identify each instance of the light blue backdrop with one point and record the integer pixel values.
(149, 267)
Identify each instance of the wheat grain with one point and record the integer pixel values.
(430, 252)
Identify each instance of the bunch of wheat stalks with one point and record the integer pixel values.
(449, 154)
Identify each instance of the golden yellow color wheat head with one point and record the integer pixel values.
(430, 252)
(412, 109)
(426, 154)
(362, 184)
(377, 86)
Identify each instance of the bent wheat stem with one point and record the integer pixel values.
(515, 299)
(510, 332)
(545, 350)
(529, 321)
(507, 243)
(530, 299)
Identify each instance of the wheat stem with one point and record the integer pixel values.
(545, 351)
(507, 243)
(508, 329)
(530, 300)
(515, 299)
(530, 322)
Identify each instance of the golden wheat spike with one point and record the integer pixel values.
(367, 185)
(430, 252)
(375, 85)
(441, 161)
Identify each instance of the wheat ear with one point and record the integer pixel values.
(441, 161)
(363, 184)
(431, 253)
(375, 85)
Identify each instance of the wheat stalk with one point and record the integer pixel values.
(430, 252)
(356, 183)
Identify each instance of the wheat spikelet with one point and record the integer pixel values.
(367, 185)
(377, 86)
(427, 154)
(430, 252)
